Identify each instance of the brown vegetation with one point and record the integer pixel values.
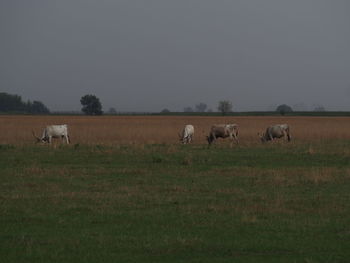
(160, 129)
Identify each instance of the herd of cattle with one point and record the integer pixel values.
(231, 130)
(186, 136)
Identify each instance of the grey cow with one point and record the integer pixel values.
(276, 131)
(223, 131)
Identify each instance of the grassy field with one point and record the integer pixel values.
(115, 130)
(145, 198)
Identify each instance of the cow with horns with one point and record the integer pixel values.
(223, 131)
(275, 132)
(53, 131)
(187, 133)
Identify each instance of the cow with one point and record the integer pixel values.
(275, 132)
(223, 131)
(187, 133)
(53, 131)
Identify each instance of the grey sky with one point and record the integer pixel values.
(146, 55)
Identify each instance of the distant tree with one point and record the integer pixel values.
(201, 107)
(271, 107)
(37, 107)
(165, 111)
(91, 105)
(112, 111)
(283, 109)
(10, 102)
(225, 107)
(14, 103)
(188, 109)
(299, 107)
(319, 108)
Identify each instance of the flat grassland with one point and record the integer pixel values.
(112, 130)
(125, 190)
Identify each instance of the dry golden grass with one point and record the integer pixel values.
(160, 129)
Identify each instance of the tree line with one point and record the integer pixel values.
(91, 105)
(14, 103)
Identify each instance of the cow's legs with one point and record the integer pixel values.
(214, 138)
(270, 136)
(211, 139)
(186, 139)
(231, 139)
(235, 137)
(288, 136)
(285, 137)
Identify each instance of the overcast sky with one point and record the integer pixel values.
(147, 55)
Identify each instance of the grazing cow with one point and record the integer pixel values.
(275, 132)
(187, 134)
(54, 131)
(223, 131)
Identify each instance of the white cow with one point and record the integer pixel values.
(54, 131)
(187, 133)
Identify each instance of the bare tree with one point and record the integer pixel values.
(225, 107)
(319, 107)
(112, 111)
(188, 109)
(201, 107)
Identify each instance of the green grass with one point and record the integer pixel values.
(174, 203)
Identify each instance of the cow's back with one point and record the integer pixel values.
(232, 128)
(189, 129)
(284, 126)
(276, 131)
(219, 130)
(57, 130)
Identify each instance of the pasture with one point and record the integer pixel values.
(125, 190)
(116, 130)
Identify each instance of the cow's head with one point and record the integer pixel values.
(37, 139)
(262, 137)
(181, 139)
(209, 139)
